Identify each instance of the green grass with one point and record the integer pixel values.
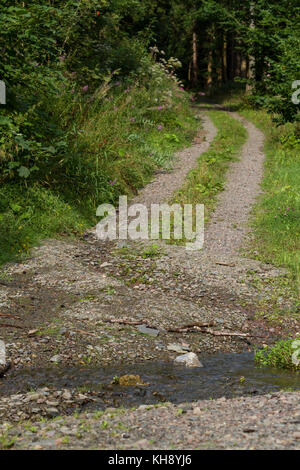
(282, 355)
(29, 214)
(277, 215)
(111, 147)
(6, 440)
(205, 181)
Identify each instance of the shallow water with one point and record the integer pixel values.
(220, 376)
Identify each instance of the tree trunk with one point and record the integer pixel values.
(224, 60)
(230, 57)
(210, 65)
(195, 60)
(251, 67)
(238, 63)
(244, 68)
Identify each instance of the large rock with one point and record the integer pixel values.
(189, 360)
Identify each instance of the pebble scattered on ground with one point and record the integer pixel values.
(265, 422)
(66, 293)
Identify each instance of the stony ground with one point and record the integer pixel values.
(268, 422)
(67, 294)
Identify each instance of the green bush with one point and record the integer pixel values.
(54, 52)
(278, 79)
(280, 355)
(104, 143)
(89, 115)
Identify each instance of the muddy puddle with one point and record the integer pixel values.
(228, 375)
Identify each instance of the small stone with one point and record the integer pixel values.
(35, 410)
(142, 444)
(65, 430)
(197, 411)
(52, 403)
(34, 397)
(67, 395)
(2, 354)
(148, 331)
(52, 412)
(57, 358)
(32, 332)
(177, 348)
(143, 407)
(82, 397)
(189, 360)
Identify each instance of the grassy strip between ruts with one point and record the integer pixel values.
(205, 181)
(277, 215)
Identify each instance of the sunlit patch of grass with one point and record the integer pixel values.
(30, 214)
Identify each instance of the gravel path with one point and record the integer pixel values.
(165, 184)
(67, 290)
(228, 225)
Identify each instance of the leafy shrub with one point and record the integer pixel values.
(78, 150)
(279, 356)
(277, 89)
(88, 109)
(51, 52)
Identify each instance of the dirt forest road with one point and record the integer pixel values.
(68, 293)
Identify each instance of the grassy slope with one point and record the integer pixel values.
(115, 145)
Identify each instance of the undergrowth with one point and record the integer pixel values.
(112, 144)
(282, 355)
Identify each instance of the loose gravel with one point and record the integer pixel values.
(65, 292)
(268, 422)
